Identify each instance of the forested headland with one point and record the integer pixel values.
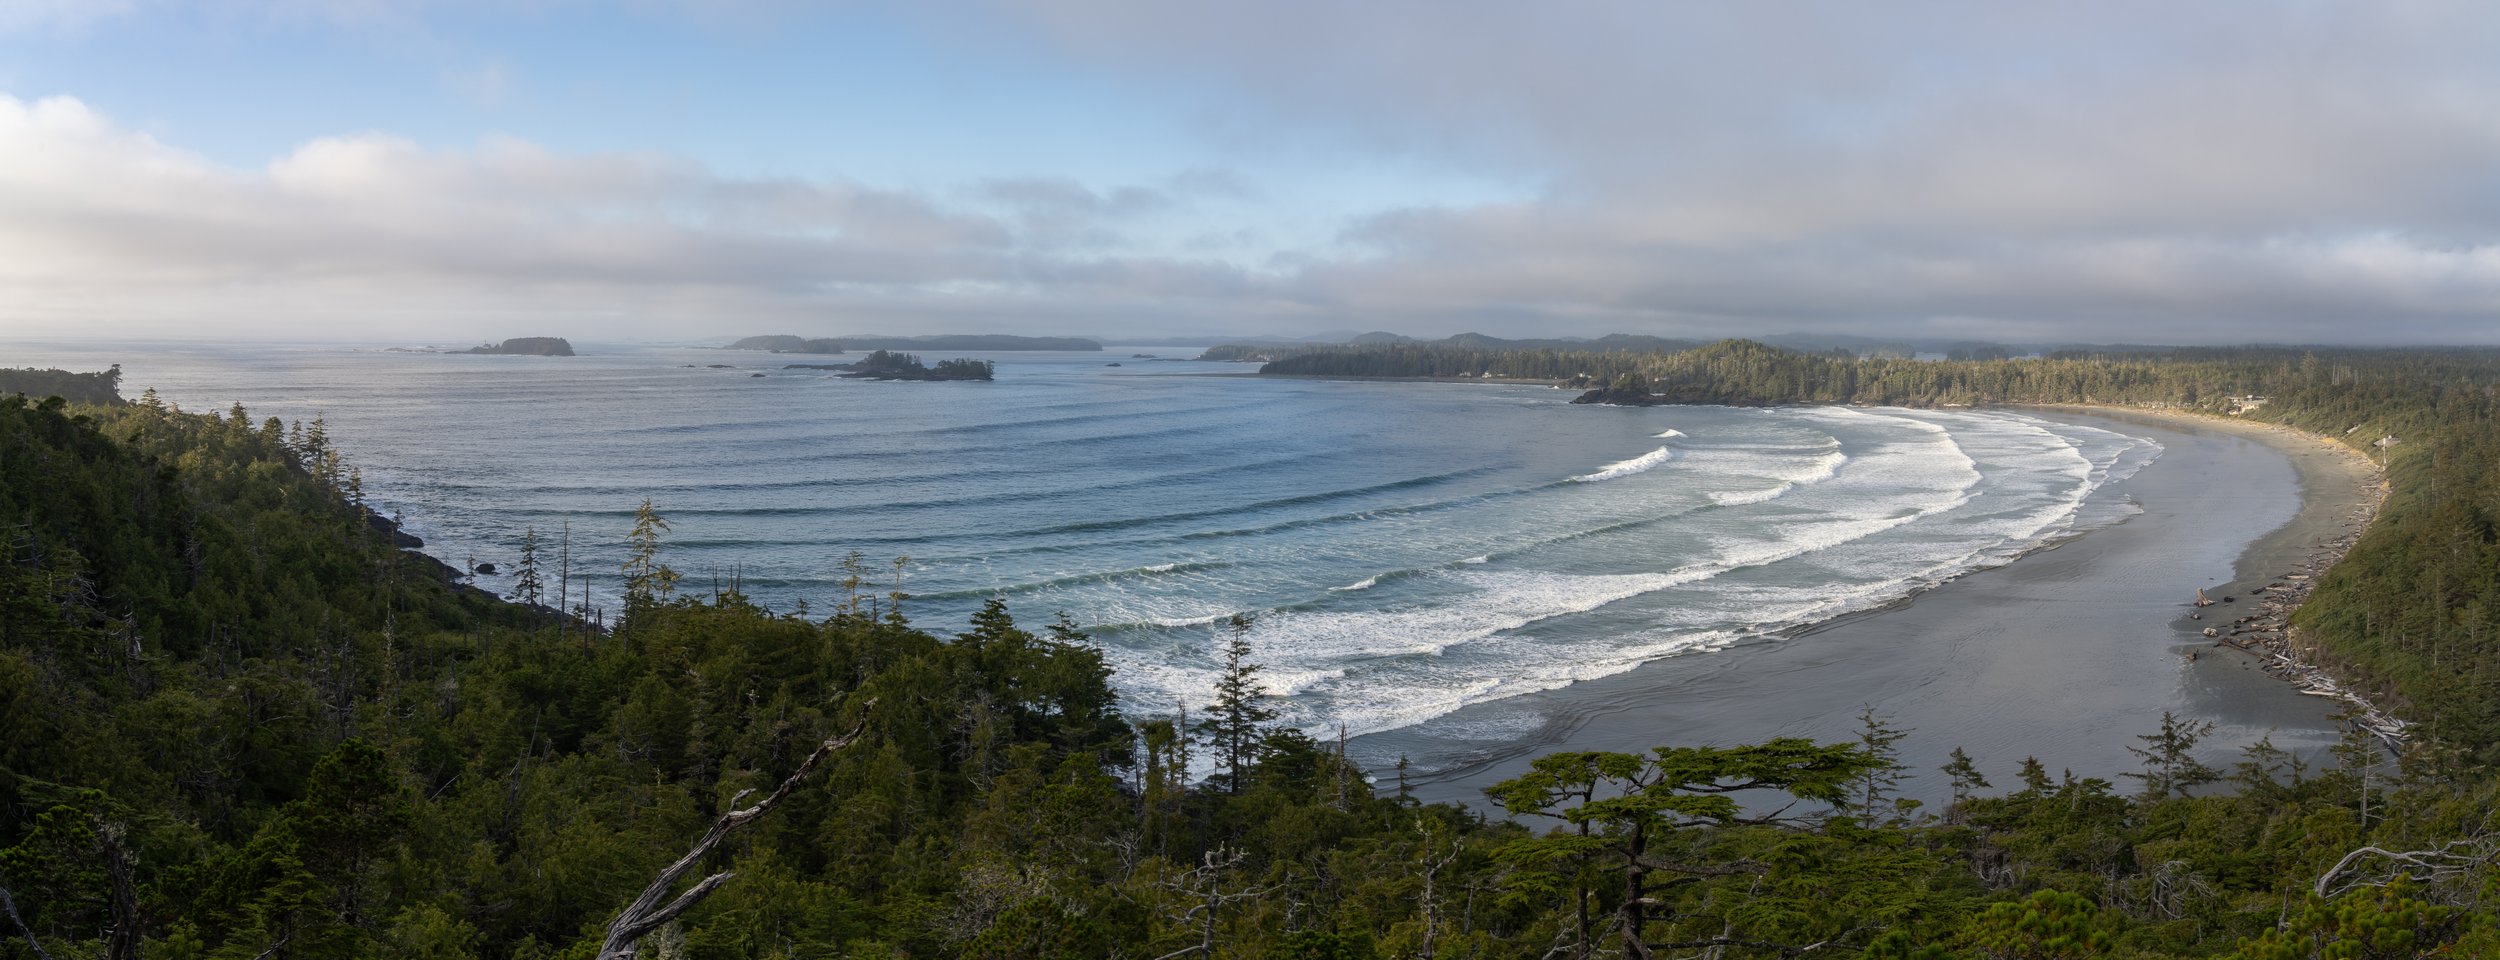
(241, 723)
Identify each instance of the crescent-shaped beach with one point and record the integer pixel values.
(2066, 654)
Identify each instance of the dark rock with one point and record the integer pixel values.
(486, 568)
(527, 346)
(399, 538)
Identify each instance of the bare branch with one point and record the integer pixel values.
(9, 905)
(647, 913)
(2451, 859)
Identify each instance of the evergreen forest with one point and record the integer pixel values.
(238, 721)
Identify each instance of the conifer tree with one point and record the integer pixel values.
(2170, 766)
(1964, 774)
(1883, 775)
(1237, 720)
(527, 585)
(646, 578)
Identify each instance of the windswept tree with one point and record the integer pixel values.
(647, 580)
(1237, 721)
(2169, 757)
(528, 586)
(1875, 793)
(1623, 814)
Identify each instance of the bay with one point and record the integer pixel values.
(1406, 549)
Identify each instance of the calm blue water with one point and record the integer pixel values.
(1407, 548)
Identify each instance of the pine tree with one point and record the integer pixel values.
(1237, 720)
(646, 578)
(527, 586)
(1964, 774)
(2035, 775)
(1883, 775)
(2170, 766)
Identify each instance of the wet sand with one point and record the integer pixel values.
(2067, 654)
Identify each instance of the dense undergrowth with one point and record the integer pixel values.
(240, 723)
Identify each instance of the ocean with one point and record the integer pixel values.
(1405, 549)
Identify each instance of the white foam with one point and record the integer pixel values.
(1917, 498)
(1668, 435)
(1625, 468)
(1163, 568)
(1186, 621)
(1813, 471)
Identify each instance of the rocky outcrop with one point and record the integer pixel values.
(527, 347)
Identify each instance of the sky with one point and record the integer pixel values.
(443, 170)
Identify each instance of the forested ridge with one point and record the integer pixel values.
(240, 723)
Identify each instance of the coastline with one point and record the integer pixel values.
(2066, 654)
(2341, 493)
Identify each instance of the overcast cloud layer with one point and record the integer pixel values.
(2145, 172)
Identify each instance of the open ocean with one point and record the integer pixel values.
(1406, 548)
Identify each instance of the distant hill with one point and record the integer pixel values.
(1610, 343)
(526, 346)
(969, 341)
(785, 343)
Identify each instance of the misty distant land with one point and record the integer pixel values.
(526, 347)
(995, 342)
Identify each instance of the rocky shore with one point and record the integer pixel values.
(2267, 631)
(2342, 492)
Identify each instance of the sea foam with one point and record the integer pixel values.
(1625, 468)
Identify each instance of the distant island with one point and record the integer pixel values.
(785, 343)
(526, 347)
(889, 365)
(1383, 341)
(967, 341)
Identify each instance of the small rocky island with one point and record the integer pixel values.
(1627, 392)
(526, 347)
(888, 365)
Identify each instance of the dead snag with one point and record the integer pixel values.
(647, 913)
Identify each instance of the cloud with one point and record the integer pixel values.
(2162, 171)
(106, 221)
(2118, 171)
(73, 15)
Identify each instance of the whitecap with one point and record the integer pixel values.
(1625, 468)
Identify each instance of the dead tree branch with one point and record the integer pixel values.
(2453, 858)
(648, 913)
(9, 904)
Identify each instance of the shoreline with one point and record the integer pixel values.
(2066, 653)
(2341, 494)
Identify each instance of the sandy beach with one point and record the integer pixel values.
(2067, 654)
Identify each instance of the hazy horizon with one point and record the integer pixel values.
(389, 171)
